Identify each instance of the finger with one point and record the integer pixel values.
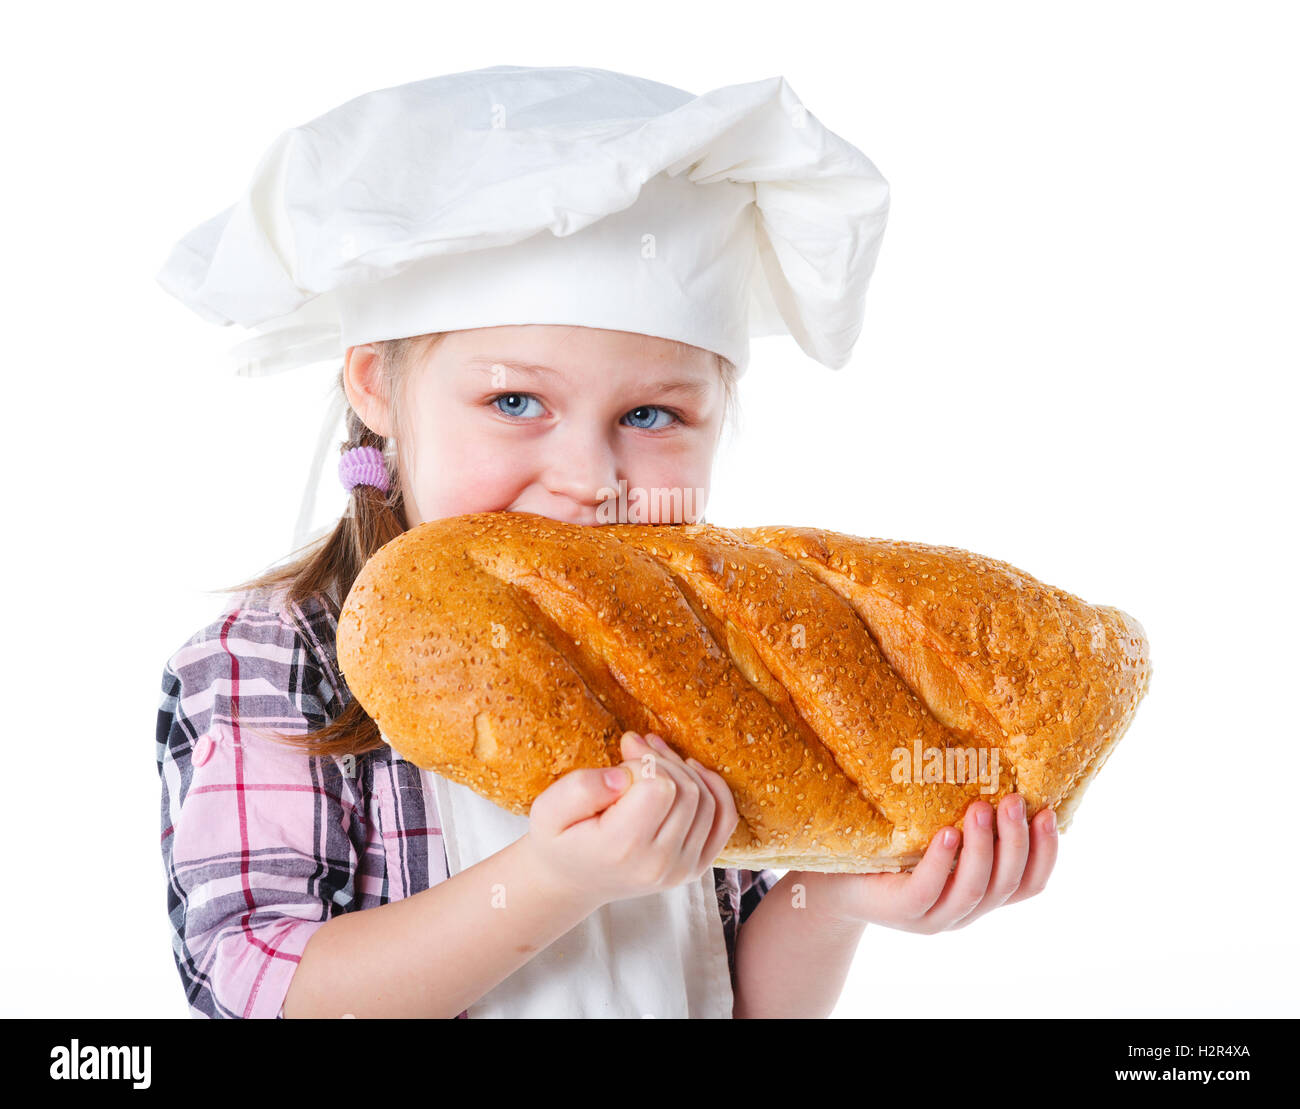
(650, 752)
(635, 746)
(702, 826)
(654, 803)
(701, 829)
(576, 796)
(679, 820)
(662, 747)
(1009, 855)
(1044, 842)
(638, 814)
(927, 879)
(970, 881)
(643, 760)
(712, 829)
(725, 816)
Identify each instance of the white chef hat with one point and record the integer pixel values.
(555, 195)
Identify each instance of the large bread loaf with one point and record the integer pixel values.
(829, 679)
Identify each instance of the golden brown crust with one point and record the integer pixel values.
(503, 650)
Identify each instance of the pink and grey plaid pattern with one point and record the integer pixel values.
(261, 843)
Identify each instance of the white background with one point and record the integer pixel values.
(1079, 356)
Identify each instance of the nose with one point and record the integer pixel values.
(580, 473)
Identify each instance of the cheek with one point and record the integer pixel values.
(689, 466)
(675, 482)
(456, 471)
(670, 493)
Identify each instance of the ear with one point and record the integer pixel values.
(363, 385)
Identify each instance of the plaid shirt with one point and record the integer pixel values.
(262, 844)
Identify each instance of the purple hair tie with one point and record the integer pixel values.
(363, 466)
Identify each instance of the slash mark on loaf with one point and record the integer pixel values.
(542, 602)
(743, 648)
(923, 667)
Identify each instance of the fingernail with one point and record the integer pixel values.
(949, 837)
(655, 742)
(984, 817)
(616, 778)
(1016, 810)
(632, 734)
(1050, 822)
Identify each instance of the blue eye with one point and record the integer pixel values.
(519, 398)
(652, 408)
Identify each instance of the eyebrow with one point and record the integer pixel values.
(535, 369)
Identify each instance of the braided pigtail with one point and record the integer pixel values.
(331, 564)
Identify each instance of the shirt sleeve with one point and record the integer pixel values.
(260, 841)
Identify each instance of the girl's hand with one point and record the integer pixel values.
(662, 824)
(929, 898)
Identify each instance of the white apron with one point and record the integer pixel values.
(661, 955)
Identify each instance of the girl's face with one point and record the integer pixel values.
(551, 419)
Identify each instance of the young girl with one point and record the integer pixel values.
(542, 283)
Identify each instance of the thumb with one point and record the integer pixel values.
(578, 795)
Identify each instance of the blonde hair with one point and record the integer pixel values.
(330, 564)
